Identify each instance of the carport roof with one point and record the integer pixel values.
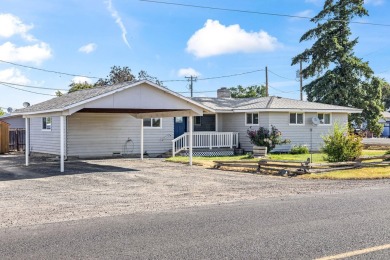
(83, 96)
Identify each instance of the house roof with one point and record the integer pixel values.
(84, 96)
(64, 101)
(269, 104)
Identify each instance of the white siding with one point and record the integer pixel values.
(301, 134)
(298, 134)
(236, 123)
(45, 141)
(91, 134)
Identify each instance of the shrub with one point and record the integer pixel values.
(299, 149)
(265, 137)
(341, 145)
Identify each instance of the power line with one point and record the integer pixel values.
(51, 71)
(29, 86)
(282, 91)
(27, 90)
(253, 12)
(217, 77)
(280, 76)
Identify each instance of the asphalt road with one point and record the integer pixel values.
(295, 227)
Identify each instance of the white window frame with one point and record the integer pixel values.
(200, 120)
(45, 126)
(250, 124)
(296, 118)
(330, 118)
(151, 123)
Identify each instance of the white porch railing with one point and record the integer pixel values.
(205, 140)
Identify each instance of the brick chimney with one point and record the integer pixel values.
(223, 93)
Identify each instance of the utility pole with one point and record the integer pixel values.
(191, 79)
(266, 81)
(300, 79)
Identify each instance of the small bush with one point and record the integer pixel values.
(341, 145)
(299, 149)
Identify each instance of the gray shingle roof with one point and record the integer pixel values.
(66, 100)
(267, 103)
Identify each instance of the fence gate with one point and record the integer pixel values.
(3, 137)
(17, 139)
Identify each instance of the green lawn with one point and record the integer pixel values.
(317, 157)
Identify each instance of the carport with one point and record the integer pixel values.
(140, 99)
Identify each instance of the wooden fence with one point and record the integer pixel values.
(288, 168)
(17, 138)
(4, 138)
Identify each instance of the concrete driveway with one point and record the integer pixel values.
(40, 194)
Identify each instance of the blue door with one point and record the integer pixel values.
(180, 126)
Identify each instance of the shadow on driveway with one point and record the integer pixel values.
(12, 168)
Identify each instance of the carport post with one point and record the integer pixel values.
(27, 145)
(191, 138)
(62, 144)
(142, 139)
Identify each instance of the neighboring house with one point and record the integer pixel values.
(107, 121)
(14, 121)
(386, 124)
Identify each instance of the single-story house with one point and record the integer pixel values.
(386, 124)
(139, 117)
(14, 121)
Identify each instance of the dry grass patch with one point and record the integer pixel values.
(368, 173)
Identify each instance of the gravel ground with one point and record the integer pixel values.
(39, 194)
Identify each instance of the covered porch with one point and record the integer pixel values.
(207, 135)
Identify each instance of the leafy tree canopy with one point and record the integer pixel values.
(117, 75)
(385, 94)
(248, 92)
(78, 86)
(341, 77)
(1, 112)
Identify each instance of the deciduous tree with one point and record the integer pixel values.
(248, 92)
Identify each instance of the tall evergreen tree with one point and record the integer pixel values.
(341, 77)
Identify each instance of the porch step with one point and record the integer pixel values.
(209, 152)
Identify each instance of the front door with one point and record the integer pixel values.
(180, 126)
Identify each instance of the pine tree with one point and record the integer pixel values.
(341, 77)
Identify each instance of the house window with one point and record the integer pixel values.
(324, 118)
(198, 120)
(252, 118)
(152, 122)
(46, 123)
(296, 118)
(179, 119)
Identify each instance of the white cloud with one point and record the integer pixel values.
(374, 2)
(80, 79)
(118, 20)
(12, 25)
(187, 72)
(13, 75)
(90, 47)
(31, 53)
(216, 39)
(305, 13)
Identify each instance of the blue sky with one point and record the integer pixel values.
(90, 36)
